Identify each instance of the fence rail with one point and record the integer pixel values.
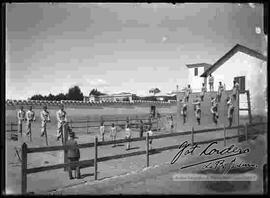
(94, 162)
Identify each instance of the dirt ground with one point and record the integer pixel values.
(44, 182)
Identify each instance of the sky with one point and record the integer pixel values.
(128, 47)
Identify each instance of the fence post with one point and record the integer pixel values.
(192, 136)
(65, 137)
(224, 133)
(24, 167)
(96, 155)
(246, 131)
(147, 150)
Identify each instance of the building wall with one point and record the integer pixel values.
(195, 81)
(254, 71)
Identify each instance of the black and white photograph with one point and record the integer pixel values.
(135, 98)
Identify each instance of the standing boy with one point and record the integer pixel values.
(214, 110)
(30, 117)
(230, 111)
(211, 82)
(61, 117)
(128, 136)
(184, 112)
(197, 104)
(113, 133)
(45, 118)
(202, 91)
(220, 90)
(188, 92)
(102, 131)
(235, 90)
(21, 118)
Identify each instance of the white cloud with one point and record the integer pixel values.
(97, 82)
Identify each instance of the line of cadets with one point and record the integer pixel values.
(214, 101)
(29, 117)
(61, 116)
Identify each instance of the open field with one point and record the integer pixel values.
(47, 181)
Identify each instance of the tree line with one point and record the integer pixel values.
(74, 93)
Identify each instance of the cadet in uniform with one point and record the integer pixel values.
(73, 155)
(202, 92)
(61, 117)
(30, 117)
(102, 131)
(45, 117)
(188, 92)
(220, 90)
(211, 82)
(21, 118)
(113, 133)
(235, 90)
(230, 110)
(214, 110)
(184, 111)
(128, 136)
(198, 111)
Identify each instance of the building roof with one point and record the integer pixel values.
(205, 65)
(229, 54)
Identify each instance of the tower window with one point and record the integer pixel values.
(196, 71)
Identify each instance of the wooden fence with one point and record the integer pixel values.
(96, 144)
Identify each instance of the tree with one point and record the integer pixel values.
(95, 92)
(154, 91)
(74, 93)
(37, 97)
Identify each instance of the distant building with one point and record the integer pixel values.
(109, 98)
(195, 71)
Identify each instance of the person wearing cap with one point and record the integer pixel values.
(128, 136)
(30, 117)
(21, 118)
(102, 131)
(73, 155)
(45, 117)
(61, 117)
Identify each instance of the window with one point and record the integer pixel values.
(242, 81)
(196, 71)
